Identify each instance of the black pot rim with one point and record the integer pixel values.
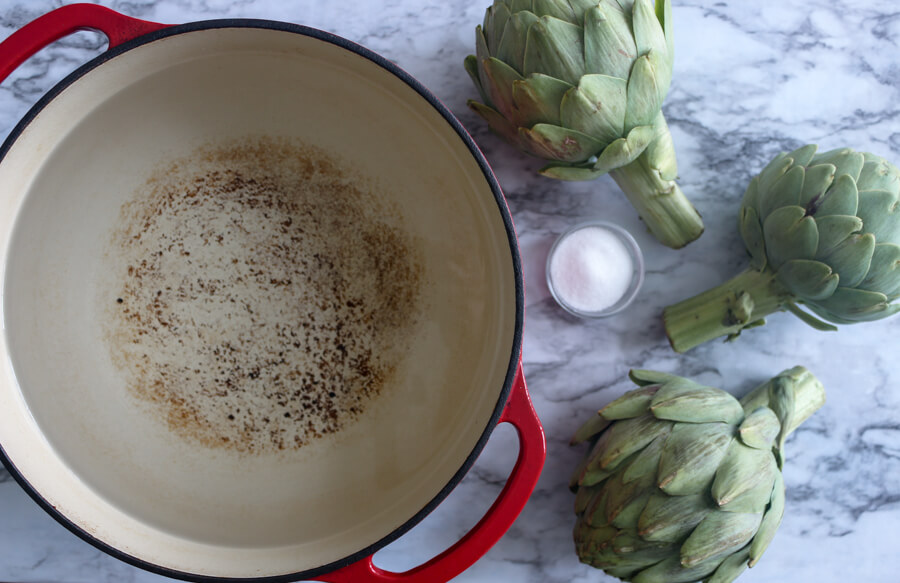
(513, 246)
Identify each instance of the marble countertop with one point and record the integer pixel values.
(751, 79)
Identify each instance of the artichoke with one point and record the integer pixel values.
(683, 482)
(581, 83)
(822, 230)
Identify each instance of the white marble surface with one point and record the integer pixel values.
(751, 79)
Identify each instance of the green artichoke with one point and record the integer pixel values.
(581, 83)
(822, 230)
(683, 482)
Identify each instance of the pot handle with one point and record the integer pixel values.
(519, 412)
(54, 25)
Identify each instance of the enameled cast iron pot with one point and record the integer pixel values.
(102, 461)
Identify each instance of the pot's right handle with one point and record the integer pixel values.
(520, 413)
(63, 21)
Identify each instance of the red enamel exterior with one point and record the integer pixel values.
(518, 411)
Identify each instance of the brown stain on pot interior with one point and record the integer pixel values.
(265, 295)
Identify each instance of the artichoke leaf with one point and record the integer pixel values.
(511, 47)
(770, 522)
(559, 143)
(760, 428)
(691, 456)
(646, 463)
(624, 151)
(886, 311)
(609, 47)
(626, 6)
(595, 512)
(593, 476)
(879, 174)
(742, 469)
(631, 404)
(586, 476)
(671, 571)
(756, 498)
(594, 459)
(626, 437)
(845, 161)
(851, 258)
(751, 195)
(537, 100)
(785, 191)
(638, 557)
(835, 229)
(590, 428)
(500, 86)
(719, 534)
(643, 377)
(519, 5)
(626, 543)
(789, 234)
(648, 29)
(560, 9)
(783, 401)
(643, 98)
(672, 518)
(809, 319)
(878, 211)
(774, 170)
(842, 198)
(582, 6)
(481, 54)
(596, 107)
(555, 48)
(664, 13)
(884, 271)
(583, 497)
(684, 400)
(731, 568)
(576, 476)
(590, 539)
(818, 180)
(621, 495)
(803, 156)
(569, 173)
(808, 279)
(495, 19)
(497, 122)
(620, 572)
(626, 515)
(751, 233)
(848, 305)
(613, 563)
(471, 65)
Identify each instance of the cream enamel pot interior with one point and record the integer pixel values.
(122, 470)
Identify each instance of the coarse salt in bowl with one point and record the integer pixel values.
(595, 269)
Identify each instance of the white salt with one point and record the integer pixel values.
(591, 269)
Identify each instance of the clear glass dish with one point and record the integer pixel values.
(637, 277)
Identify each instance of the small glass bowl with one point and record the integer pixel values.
(637, 278)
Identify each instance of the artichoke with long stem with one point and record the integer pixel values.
(683, 482)
(581, 83)
(822, 231)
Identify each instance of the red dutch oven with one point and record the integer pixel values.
(262, 303)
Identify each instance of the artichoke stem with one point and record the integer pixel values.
(741, 302)
(665, 210)
(809, 395)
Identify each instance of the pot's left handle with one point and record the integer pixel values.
(63, 21)
(520, 413)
